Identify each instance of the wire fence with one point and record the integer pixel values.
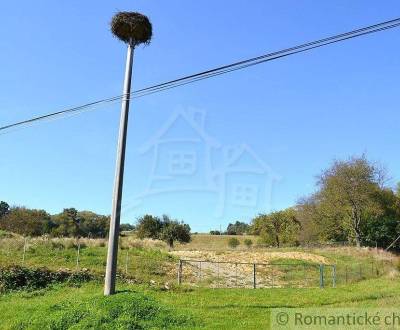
(148, 264)
(137, 261)
(223, 274)
(53, 253)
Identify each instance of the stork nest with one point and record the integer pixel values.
(132, 27)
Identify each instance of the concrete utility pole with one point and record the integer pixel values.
(112, 254)
(132, 28)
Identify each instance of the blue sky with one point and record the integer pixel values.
(295, 115)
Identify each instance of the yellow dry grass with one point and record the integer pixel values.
(215, 242)
(250, 256)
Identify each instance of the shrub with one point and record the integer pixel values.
(248, 242)
(17, 277)
(233, 242)
(5, 234)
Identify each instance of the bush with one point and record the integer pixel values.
(233, 242)
(248, 242)
(17, 278)
(5, 234)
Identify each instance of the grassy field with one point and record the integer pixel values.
(150, 299)
(64, 307)
(145, 261)
(206, 242)
(154, 260)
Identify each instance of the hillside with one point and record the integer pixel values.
(150, 298)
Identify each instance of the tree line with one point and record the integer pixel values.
(236, 228)
(68, 223)
(73, 223)
(352, 203)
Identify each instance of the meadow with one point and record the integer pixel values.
(149, 297)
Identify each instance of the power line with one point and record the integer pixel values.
(275, 55)
(57, 115)
(214, 72)
(77, 109)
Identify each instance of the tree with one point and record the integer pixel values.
(164, 229)
(26, 222)
(383, 229)
(316, 224)
(92, 224)
(277, 227)
(68, 223)
(175, 231)
(347, 194)
(4, 209)
(233, 242)
(149, 226)
(126, 227)
(237, 228)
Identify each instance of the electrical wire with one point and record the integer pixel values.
(212, 73)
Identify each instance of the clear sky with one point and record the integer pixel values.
(217, 151)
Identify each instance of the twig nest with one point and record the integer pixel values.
(133, 26)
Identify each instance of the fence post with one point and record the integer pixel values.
(126, 262)
(200, 272)
(254, 276)
(23, 255)
(180, 272)
(321, 276)
(346, 275)
(334, 276)
(236, 276)
(217, 274)
(272, 276)
(77, 255)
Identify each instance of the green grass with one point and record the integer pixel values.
(154, 264)
(86, 308)
(64, 307)
(140, 305)
(249, 309)
(352, 267)
(148, 264)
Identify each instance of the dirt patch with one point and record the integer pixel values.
(250, 256)
(235, 268)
